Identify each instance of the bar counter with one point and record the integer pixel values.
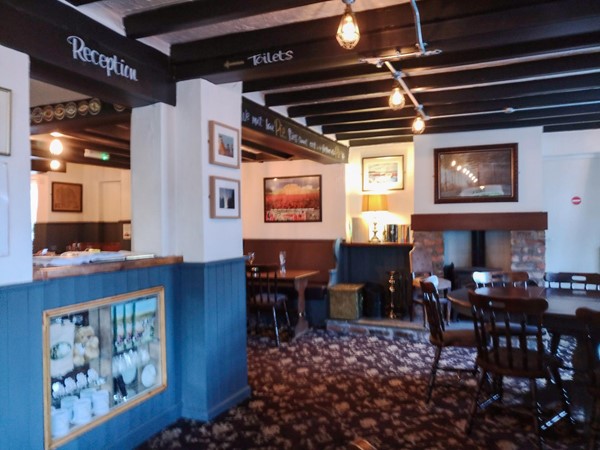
(47, 273)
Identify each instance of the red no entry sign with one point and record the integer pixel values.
(576, 200)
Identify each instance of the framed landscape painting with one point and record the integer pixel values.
(67, 197)
(224, 145)
(383, 173)
(485, 173)
(293, 199)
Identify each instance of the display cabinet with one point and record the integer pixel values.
(101, 358)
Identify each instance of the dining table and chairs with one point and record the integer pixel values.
(265, 285)
(527, 313)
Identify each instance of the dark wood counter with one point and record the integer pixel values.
(47, 273)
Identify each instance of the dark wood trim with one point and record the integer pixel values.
(480, 221)
(41, 29)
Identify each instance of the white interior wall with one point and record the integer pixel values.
(16, 262)
(332, 203)
(91, 178)
(171, 170)
(570, 168)
(529, 164)
(400, 202)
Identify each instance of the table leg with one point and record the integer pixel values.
(302, 324)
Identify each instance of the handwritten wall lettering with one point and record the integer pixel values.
(270, 58)
(262, 119)
(112, 64)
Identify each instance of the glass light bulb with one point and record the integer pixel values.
(418, 126)
(55, 164)
(397, 100)
(348, 33)
(56, 147)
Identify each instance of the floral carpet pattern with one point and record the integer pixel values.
(325, 390)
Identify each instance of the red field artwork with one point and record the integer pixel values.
(293, 199)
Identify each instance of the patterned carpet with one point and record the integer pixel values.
(324, 390)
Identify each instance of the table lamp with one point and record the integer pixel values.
(374, 203)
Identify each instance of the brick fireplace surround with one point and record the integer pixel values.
(527, 236)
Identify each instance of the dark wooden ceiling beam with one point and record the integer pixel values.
(182, 16)
(77, 123)
(380, 141)
(467, 33)
(538, 101)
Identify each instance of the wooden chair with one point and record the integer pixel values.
(262, 293)
(591, 322)
(421, 267)
(439, 336)
(573, 281)
(506, 350)
(486, 279)
(516, 278)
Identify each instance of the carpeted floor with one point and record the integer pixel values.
(324, 390)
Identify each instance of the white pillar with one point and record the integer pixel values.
(171, 172)
(15, 216)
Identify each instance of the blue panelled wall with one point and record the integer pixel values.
(206, 350)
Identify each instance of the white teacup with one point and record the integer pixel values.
(82, 411)
(61, 419)
(100, 402)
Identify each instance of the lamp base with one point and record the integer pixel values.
(374, 238)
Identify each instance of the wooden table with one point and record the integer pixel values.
(299, 279)
(562, 303)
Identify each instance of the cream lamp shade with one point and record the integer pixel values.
(373, 203)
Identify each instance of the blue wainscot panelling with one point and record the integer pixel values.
(206, 350)
(213, 356)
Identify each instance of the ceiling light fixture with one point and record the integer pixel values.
(56, 147)
(418, 125)
(55, 164)
(348, 33)
(397, 100)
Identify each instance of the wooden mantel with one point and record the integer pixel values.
(480, 221)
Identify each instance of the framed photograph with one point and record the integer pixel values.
(5, 122)
(224, 198)
(67, 197)
(486, 173)
(224, 145)
(293, 199)
(383, 173)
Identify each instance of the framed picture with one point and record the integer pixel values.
(293, 199)
(383, 173)
(486, 173)
(5, 122)
(67, 197)
(88, 353)
(224, 145)
(224, 198)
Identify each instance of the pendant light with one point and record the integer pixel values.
(56, 147)
(397, 100)
(348, 33)
(418, 125)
